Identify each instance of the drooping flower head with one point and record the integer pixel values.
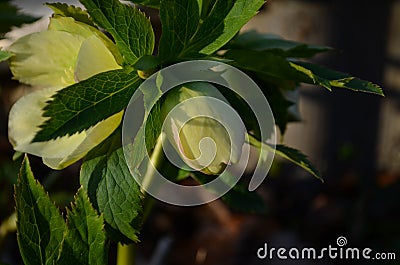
(200, 130)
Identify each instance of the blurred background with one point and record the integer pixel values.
(352, 138)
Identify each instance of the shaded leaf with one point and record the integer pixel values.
(239, 197)
(202, 26)
(148, 3)
(82, 105)
(253, 40)
(40, 225)
(291, 154)
(275, 66)
(130, 28)
(85, 240)
(330, 78)
(65, 10)
(111, 187)
(265, 63)
(277, 101)
(298, 158)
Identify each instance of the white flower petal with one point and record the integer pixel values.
(24, 120)
(94, 57)
(46, 58)
(92, 137)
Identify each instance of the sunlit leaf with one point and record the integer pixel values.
(85, 240)
(40, 225)
(188, 31)
(86, 103)
(131, 30)
(111, 188)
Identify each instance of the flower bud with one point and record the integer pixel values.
(199, 125)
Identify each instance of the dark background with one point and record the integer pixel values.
(353, 139)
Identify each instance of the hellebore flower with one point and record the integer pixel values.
(68, 52)
(203, 136)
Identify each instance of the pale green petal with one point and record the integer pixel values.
(53, 59)
(199, 128)
(187, 132)
(46, 58)
(92, 137)
(24, 119)
(70, 25)
(94, 57)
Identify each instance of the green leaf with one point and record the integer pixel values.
(65, 10)
(192, 27)
(266, 63)
(148, 134)
(298, 158)
(40, 225)
(179, 19)
(111, 187)
(130, 28)
(252, 40)
(4, 55)
(291, 154)
(9, 17)
(149, 3)
(239, 197)
(275, 66)
(277, 101)
(85, 240)
(82, 105)
(330, 78)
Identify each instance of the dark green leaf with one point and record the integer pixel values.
(298, 158)
(65, 10)
(111, 187)
(239, 197)
(329, 78)
(192, 27)
(180, 19)
(252, 40)
(243, 109)
(85, 240)
(278, 103)
(9, 17)
(266, 63)
(146, 63)
(82, 105)
(146, 137)
(290, 154)
(131, 30)
(271, 65)
(4, 55)
(149, 3)
(40, 225)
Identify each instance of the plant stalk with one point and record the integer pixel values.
(126, 253)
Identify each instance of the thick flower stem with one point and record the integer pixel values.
(126, 253)
(156, 161)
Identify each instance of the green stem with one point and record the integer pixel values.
(126, 253)
(156, 160)
(8, 226)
